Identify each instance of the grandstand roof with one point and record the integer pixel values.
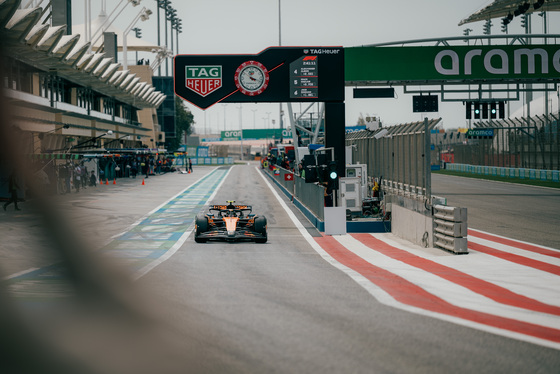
(48, 48)
(501, 8)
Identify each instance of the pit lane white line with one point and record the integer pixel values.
(23, 272)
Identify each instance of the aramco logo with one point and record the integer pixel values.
(526, 61)
(232, 134)
(203, 79)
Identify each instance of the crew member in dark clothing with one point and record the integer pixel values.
(12, 189)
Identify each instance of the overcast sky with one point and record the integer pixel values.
(249, 26)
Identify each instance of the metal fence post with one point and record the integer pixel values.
(427, 154)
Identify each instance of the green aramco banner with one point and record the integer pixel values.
(251, 134)
(445, 63)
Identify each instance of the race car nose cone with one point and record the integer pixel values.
(231, 233)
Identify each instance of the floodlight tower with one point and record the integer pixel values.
(143, 15)
(108, 22)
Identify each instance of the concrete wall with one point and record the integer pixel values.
(411, 220)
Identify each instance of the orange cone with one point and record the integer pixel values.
(114, 181)
(100, 181)
(143, 182)
(106, 181)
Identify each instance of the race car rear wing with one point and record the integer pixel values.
(235, 207)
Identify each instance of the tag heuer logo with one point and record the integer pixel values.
(203, 79)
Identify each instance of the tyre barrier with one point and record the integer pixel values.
(450, 228)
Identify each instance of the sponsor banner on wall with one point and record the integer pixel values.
(442, 63)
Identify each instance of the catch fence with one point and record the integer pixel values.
(532, 143)
(395, 154)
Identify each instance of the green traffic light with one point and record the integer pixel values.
(332, 170)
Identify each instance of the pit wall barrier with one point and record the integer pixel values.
(206, 161)
(411, 219)
(276, 175)
(518, 173)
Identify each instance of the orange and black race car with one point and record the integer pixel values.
(230, 222)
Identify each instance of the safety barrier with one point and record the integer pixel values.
(519, 173)
(450, 228)
(210, 160)
(529, 142)
(396, 153)
(309, 199)
(311, 196)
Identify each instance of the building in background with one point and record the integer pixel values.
(67, 97)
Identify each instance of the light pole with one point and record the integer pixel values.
(138, 34)
(279, 22)
(143, 15)
(171, 22)
(224, 105)
(217, 121)
(108, 22)
(268, 120)
(241, 128)
(160, 4)
(170, 14)
(178, 26)
(280, 44)
(165, 5)
(254, 118)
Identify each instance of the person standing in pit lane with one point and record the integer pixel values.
(77, 174)
(12, 190)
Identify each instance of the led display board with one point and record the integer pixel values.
(277, 74)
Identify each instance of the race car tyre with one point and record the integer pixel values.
(261, 240)
(260, 227)
(201, 226)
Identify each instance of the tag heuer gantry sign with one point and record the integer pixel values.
(278, 74)
(203, 79)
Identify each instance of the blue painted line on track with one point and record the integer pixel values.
(144, 243)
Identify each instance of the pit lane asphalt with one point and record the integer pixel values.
(274, 307)
(280, 307)
(98, 214)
